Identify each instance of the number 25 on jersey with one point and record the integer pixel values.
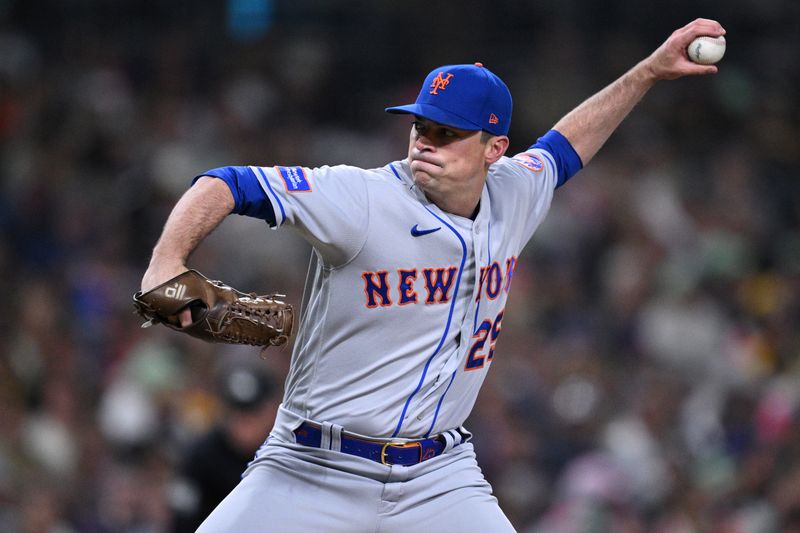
(487, 331)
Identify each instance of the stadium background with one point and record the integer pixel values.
(647, 377)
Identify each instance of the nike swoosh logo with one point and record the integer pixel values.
(416, 232)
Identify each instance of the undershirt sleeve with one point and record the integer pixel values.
(248, 196)
(567, 160)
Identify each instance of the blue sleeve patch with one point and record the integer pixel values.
(248, 196)
(295, 179)
(568, 162)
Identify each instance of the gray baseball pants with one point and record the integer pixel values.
(294, 488)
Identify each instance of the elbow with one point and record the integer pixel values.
(217, 191)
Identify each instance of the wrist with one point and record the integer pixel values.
(160, 271)
(166, 259)
(643, 75)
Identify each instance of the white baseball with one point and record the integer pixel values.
(707, 50)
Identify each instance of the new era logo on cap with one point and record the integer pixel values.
(468, 97)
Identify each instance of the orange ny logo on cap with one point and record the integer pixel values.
(440, 82)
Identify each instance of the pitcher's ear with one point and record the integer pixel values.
(496, 148)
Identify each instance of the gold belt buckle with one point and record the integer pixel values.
(400, 445)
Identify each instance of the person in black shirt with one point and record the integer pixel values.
(213, 465)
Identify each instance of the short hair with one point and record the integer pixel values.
(485, 136)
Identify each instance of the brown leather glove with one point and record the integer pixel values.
(219, 313)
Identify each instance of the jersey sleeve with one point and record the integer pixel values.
(533, 175)
(328, 205)
(524, 184)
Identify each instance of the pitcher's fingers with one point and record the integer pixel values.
(185, 317)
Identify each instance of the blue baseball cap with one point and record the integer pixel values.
(467, 97)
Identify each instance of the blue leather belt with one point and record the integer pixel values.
(387, 453)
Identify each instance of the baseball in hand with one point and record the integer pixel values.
(707, 50)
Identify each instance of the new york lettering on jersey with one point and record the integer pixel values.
(436, 284)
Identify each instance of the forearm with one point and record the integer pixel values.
(196, 214)
(588, 126)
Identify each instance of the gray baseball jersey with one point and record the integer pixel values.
(403, 308)
(405, 302)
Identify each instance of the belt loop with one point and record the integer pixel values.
(454, 437)
(450, 440)
(331, 436)
(325, 437)
(336, 437)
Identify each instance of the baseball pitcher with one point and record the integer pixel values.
(414, 262)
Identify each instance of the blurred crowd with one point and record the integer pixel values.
(647, 378)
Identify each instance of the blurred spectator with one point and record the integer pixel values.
(212, 465)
